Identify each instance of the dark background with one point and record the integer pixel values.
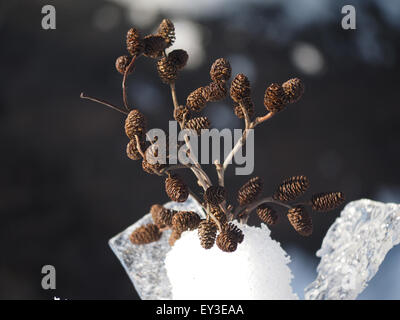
(66, 185)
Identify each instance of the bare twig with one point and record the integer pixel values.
(203, 180)
(220, 172)
(249, 208)
(124, 86)
(83, 96)
(138, 146)
(259, 120)
(248, 126)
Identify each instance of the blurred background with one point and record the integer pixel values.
(66, 185)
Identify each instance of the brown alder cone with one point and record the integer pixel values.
(145, 234)
(134, 43)
(175, 235)
(195, 100)
(179, 58)
(207, 232)
(154, 46)
(181, 113)
(234, 232)
(215, 195)
(197, 124)
(226, 242)
(167, 70)
(291, 188)
(250, 191)
(220, 70)
(176, 188)
(135, 124)
(327, 201)
(247, 104)
(162, 217)
(218, 214)
(185, 220)
(166, 30)
(152, 168)
(300, 220)
(240, 88)
(215, 91)
(294, 89)
(274, 98)
(267, 214)
(122, 63)
(132, 150)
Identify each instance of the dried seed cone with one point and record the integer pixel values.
(167, 70)
(247, 104)
(274, 98)
(291, 188)
(122, 63)
(181, 113)
(154, 46)
(215, 91)
(155, 214)
(327, 201)
(135, 124)
(240, 88)
(234, 232)
(179, 58)
(185, 220)
(197, 124)
(267, 214)
(300, 220)
(195, 100)
(176, 188)
(152, 168)
(219, 214)
(132, 150)
(250, 191)
(162, 217)
(175, 235)
(215, 195)
(226, 242)
(207, 232)
(294, 89)
(166, 30)
(220, 70)
(145, 234)
(134, 43)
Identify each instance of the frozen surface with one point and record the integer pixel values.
(145, 263)
(256, 270)
(354, 248)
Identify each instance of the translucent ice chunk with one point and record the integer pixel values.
(145, 263)
(353, 249)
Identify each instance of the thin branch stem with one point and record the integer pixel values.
(202, 177)
(138, 146)
(248, 125)
(253, 205)
(124, 86)
(194, 196)
(174, 97)
(220, 172)
(103, 102)
(259, 120)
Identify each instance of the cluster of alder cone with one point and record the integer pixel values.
(217, 227)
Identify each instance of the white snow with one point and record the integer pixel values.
(256, 270)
